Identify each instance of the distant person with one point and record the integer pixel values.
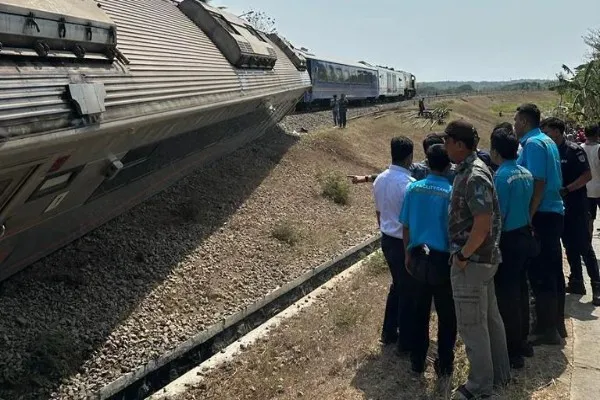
(514, 185)
(389, 190)
(592, 149)
(421, 106)
(540, 156)
(335, 109)
(576, 237)
(474, 231)
(343, 109)
(425, 220)
(418, 170)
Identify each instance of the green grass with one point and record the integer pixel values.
(286, 232)
(508, 109)
(335, 186)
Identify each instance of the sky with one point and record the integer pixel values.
(439, 40)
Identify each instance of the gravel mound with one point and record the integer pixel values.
(145, 282)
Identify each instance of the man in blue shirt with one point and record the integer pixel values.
(424, 219)
(540, 156)
(514, 185)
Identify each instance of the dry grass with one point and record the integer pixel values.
(331, 351)
(286, 232)
(335, 187)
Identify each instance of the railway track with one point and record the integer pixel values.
(152, 377)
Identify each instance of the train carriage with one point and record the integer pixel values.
(357, 81)
(105, 103)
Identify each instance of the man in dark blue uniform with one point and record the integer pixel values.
(576, 239)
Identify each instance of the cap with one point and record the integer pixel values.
(461, 130)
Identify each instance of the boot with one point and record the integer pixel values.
(596, 293)
(576, 286)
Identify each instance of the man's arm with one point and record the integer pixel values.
(536, 199)
(583, 168)
(480, 200)
(535, 161)
(482, 225)
(363, 178)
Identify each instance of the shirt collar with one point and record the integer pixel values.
(529, 134)
(508, 163)
(399, 169)
(433, 177)
(467, 161)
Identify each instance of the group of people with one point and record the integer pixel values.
(475, 231)
(339, 110)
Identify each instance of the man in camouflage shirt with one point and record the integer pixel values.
(474, 228)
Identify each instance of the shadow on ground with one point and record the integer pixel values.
(51, 322)
(386, 375)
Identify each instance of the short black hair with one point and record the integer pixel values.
(463, 131)
(592, 130)
(555, 123)
(531, 112)
(437, 157)
(504, 125)
(402, 147)
(431, 139)
(505, 143)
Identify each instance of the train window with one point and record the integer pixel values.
(255, 33)
(330, 74)
(224, 23)
(339, 77)
(322, 72)
(55, 182)
(346, 75)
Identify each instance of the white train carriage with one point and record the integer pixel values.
(105, 103)
(391, 84)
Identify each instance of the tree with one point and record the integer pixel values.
(260, 21)
(579, 87)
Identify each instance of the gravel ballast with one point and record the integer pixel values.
(145, 282)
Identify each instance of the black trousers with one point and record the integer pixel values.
(512, 292)
(578, 243)
(545, 272)
(444, 307)
(397, 322)
(342, 118)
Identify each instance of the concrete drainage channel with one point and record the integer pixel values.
(158, 373)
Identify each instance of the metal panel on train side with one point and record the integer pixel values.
(173, 66)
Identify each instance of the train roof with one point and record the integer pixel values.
(311, 56)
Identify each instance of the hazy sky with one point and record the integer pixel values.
(439, 39)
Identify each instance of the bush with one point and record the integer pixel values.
(286, 232)
(335, 187)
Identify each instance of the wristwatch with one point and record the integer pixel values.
(460, 256)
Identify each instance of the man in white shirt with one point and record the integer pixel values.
(389, 189)
(592, 149)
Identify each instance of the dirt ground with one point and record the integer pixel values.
(331, 351)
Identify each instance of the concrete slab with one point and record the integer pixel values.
(586, 339)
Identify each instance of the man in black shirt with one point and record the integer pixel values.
(576, 239)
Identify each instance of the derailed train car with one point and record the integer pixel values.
(105, 103)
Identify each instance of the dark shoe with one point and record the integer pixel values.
(596, 294)
(517, 362)
(441, 370)
(548, 338)
(562, 330)
(527, 350)
(576, 287)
